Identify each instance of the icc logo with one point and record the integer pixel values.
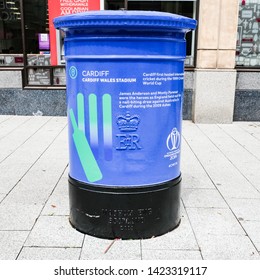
(173, 140)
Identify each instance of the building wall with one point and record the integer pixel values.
(15, 100)
(215, 77)
(215, 92)
(247, 97)
(10, 79)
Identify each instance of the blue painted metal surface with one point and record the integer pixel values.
(125, 74)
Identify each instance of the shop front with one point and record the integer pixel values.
(224, 48)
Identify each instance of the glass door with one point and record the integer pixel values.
(182, 7)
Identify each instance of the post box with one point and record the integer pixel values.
(125, 72)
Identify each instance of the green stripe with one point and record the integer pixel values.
(93, 108)
(73, 120)
(87, 159)
(86, 156)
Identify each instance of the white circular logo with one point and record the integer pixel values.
(73, 72)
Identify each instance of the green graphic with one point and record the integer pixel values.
(86, 156)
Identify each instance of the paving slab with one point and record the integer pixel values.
(11, 243)
(2, 196)
(246, 209)
(171, 255)
(38, 253)
(227, 247)
(3, 118)
(244, 161)
(220, 221)
(10, 124)
(95, 249)
(242, 189)
(193, 173)
(54, 231)
(58, 202)
(25, 202)
(203, 198)
(18, 216)
(181, 238)
(21, 134)
(246, 140)
(252, 228)
(226, 177)
(18, 163)
(251, 127)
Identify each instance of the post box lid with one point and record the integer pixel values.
(122, 19)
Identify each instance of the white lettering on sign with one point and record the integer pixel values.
(73, 6)
(86, 73)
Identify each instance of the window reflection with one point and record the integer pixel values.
(10, 33)
(248, 34)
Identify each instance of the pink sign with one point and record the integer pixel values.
(66, 7)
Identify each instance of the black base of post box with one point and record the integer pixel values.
(125, 212)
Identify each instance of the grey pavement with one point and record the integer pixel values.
(220, 205)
